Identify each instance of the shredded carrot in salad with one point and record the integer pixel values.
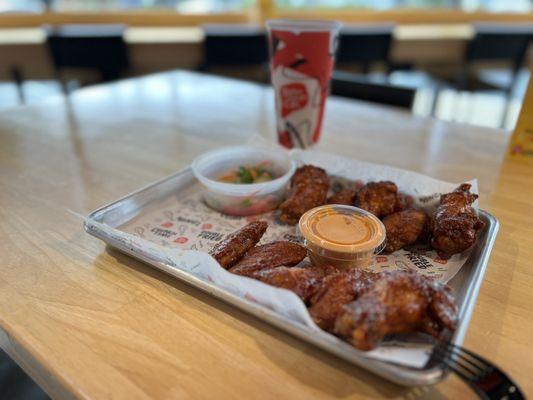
(249, 174)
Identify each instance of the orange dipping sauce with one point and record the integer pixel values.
(342, 236)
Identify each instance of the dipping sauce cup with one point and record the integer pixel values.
(342, 236)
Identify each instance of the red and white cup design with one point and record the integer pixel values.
(302, 54)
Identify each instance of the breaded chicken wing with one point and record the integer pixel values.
(309, 189)
(344, 196)
(455, 225)
(269, 256)
(304, 281)
(336, 290)
(380, 198)
(234, 246)
(398, 302)
(404, 228)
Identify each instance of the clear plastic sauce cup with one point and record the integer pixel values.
(243, 199)
(342, 236)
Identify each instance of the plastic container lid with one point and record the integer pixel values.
(343, 232)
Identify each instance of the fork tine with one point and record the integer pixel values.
(473, 359)
(473, 355)
(459, 352)
(486, 379)
(457, 359)
(455, 368)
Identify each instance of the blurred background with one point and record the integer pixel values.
(457, 60)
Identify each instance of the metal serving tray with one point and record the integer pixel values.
(466, 283)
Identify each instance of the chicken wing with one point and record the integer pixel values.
(380, 198)
(398, 302)
(309, 189)
(455, 225)
(343, 196)
(304, 281)
(234, 246)
(269, 256)
(336, 290)
(404, 228)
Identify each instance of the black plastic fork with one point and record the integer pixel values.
(487, 380)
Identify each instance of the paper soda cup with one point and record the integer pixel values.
(302, 54)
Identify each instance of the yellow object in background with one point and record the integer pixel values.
(521, 145)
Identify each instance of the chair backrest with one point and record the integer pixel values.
(354, 86)
(365, 43)
(500, 42)
(226, 45)
(99, 47)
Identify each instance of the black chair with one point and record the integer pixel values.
(354, 86)
(232, 47)
(365, 45)
(96, 47)
(494, 42)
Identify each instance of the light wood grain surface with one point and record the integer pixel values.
(87, 322)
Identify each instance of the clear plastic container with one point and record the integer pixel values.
(342, 236)
(243, 199)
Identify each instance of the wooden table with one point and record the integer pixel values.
(86, 321)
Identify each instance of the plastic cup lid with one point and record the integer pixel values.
(343, 229)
